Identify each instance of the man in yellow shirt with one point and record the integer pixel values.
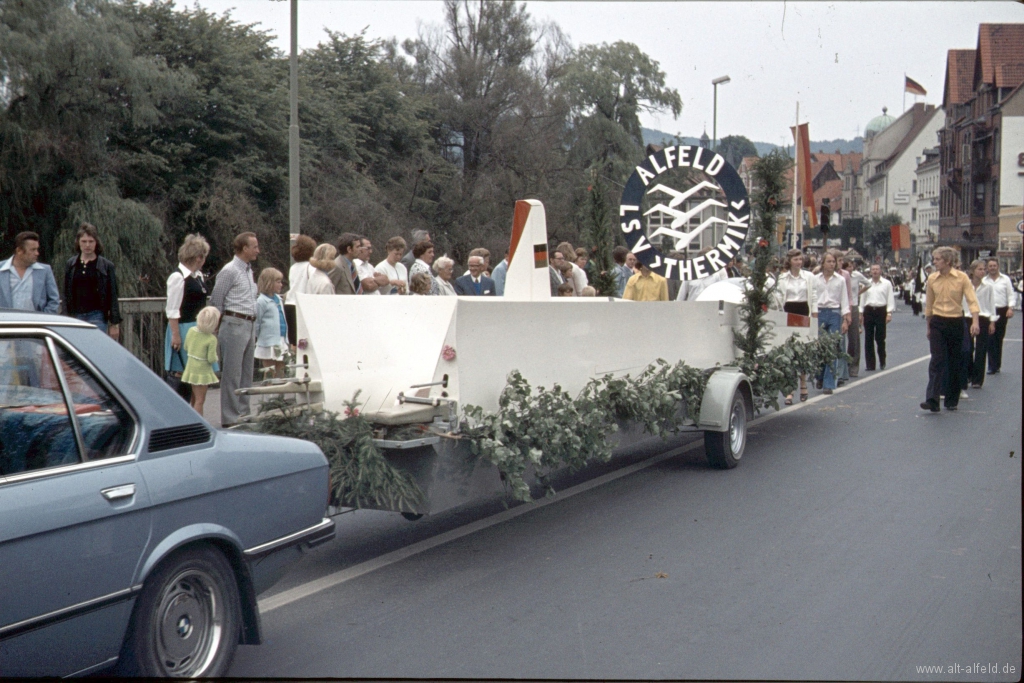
(646, 286)
(945, 292)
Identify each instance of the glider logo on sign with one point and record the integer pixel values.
(686, 212)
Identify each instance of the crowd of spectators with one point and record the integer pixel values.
(251, 320)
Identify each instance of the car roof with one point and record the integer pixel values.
(13, 316)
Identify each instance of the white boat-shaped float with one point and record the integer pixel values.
(418, 360)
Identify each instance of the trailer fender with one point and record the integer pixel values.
(716, 405)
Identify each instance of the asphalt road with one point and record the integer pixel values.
(859, 539)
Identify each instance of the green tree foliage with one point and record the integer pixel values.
(366, 135)
(71, 78)
(170, 121)
(127, 230)
(734, 147)
(216, 160)
(499, 123)
(607, 87)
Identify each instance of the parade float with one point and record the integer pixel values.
(443, 400)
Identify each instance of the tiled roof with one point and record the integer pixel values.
(839, 161)
(959, 76)
(1009, 75)
(998, 44)
(833, 189)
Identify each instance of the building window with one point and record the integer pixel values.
(995, 196)
(913, 215)
(913, 187)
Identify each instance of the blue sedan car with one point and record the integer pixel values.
(131, 532)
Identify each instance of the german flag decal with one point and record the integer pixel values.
(540, 256)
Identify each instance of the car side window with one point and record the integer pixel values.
(105, 425)
(35, 428)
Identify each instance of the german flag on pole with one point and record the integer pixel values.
(913, 87)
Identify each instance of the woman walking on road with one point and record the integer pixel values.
(796, 289)
(945, 292)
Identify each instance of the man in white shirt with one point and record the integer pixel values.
(393, 269)
(857, 279)
(371, 280)
(877, 301)
(1003, 298)
(833, 312)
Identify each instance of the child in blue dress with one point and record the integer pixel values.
(271, 328)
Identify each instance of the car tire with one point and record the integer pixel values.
(724, 449)
(188, 618)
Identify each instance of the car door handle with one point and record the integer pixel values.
(119, 492)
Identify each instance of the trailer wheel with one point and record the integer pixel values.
(724, 449)
(413, 516)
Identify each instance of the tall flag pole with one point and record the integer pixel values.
(798, 225)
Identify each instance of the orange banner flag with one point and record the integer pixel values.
(803, 165)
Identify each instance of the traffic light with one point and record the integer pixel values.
(826, 217)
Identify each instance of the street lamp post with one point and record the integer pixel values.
(293, 127)
(714, 120)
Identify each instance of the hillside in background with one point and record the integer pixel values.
(657, 137)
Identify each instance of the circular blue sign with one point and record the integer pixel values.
(721, 188)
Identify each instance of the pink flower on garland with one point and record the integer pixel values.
(448, 353)
(351, 412)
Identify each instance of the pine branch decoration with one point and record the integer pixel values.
(770, 185)
(600, 234)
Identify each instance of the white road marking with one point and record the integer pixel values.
(329, 581)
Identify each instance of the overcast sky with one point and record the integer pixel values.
(841, 61)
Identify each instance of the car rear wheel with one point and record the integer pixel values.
(186, 623)
(724, 449)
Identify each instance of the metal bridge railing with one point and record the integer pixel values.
(142, 330)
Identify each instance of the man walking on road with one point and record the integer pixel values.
(944, 315)
(877, 301)
(1003, 299)
(235, 295)
(833, 313)
(857, 281)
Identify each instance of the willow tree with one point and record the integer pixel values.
(71, 77)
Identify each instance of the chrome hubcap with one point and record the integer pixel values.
(190, 624)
